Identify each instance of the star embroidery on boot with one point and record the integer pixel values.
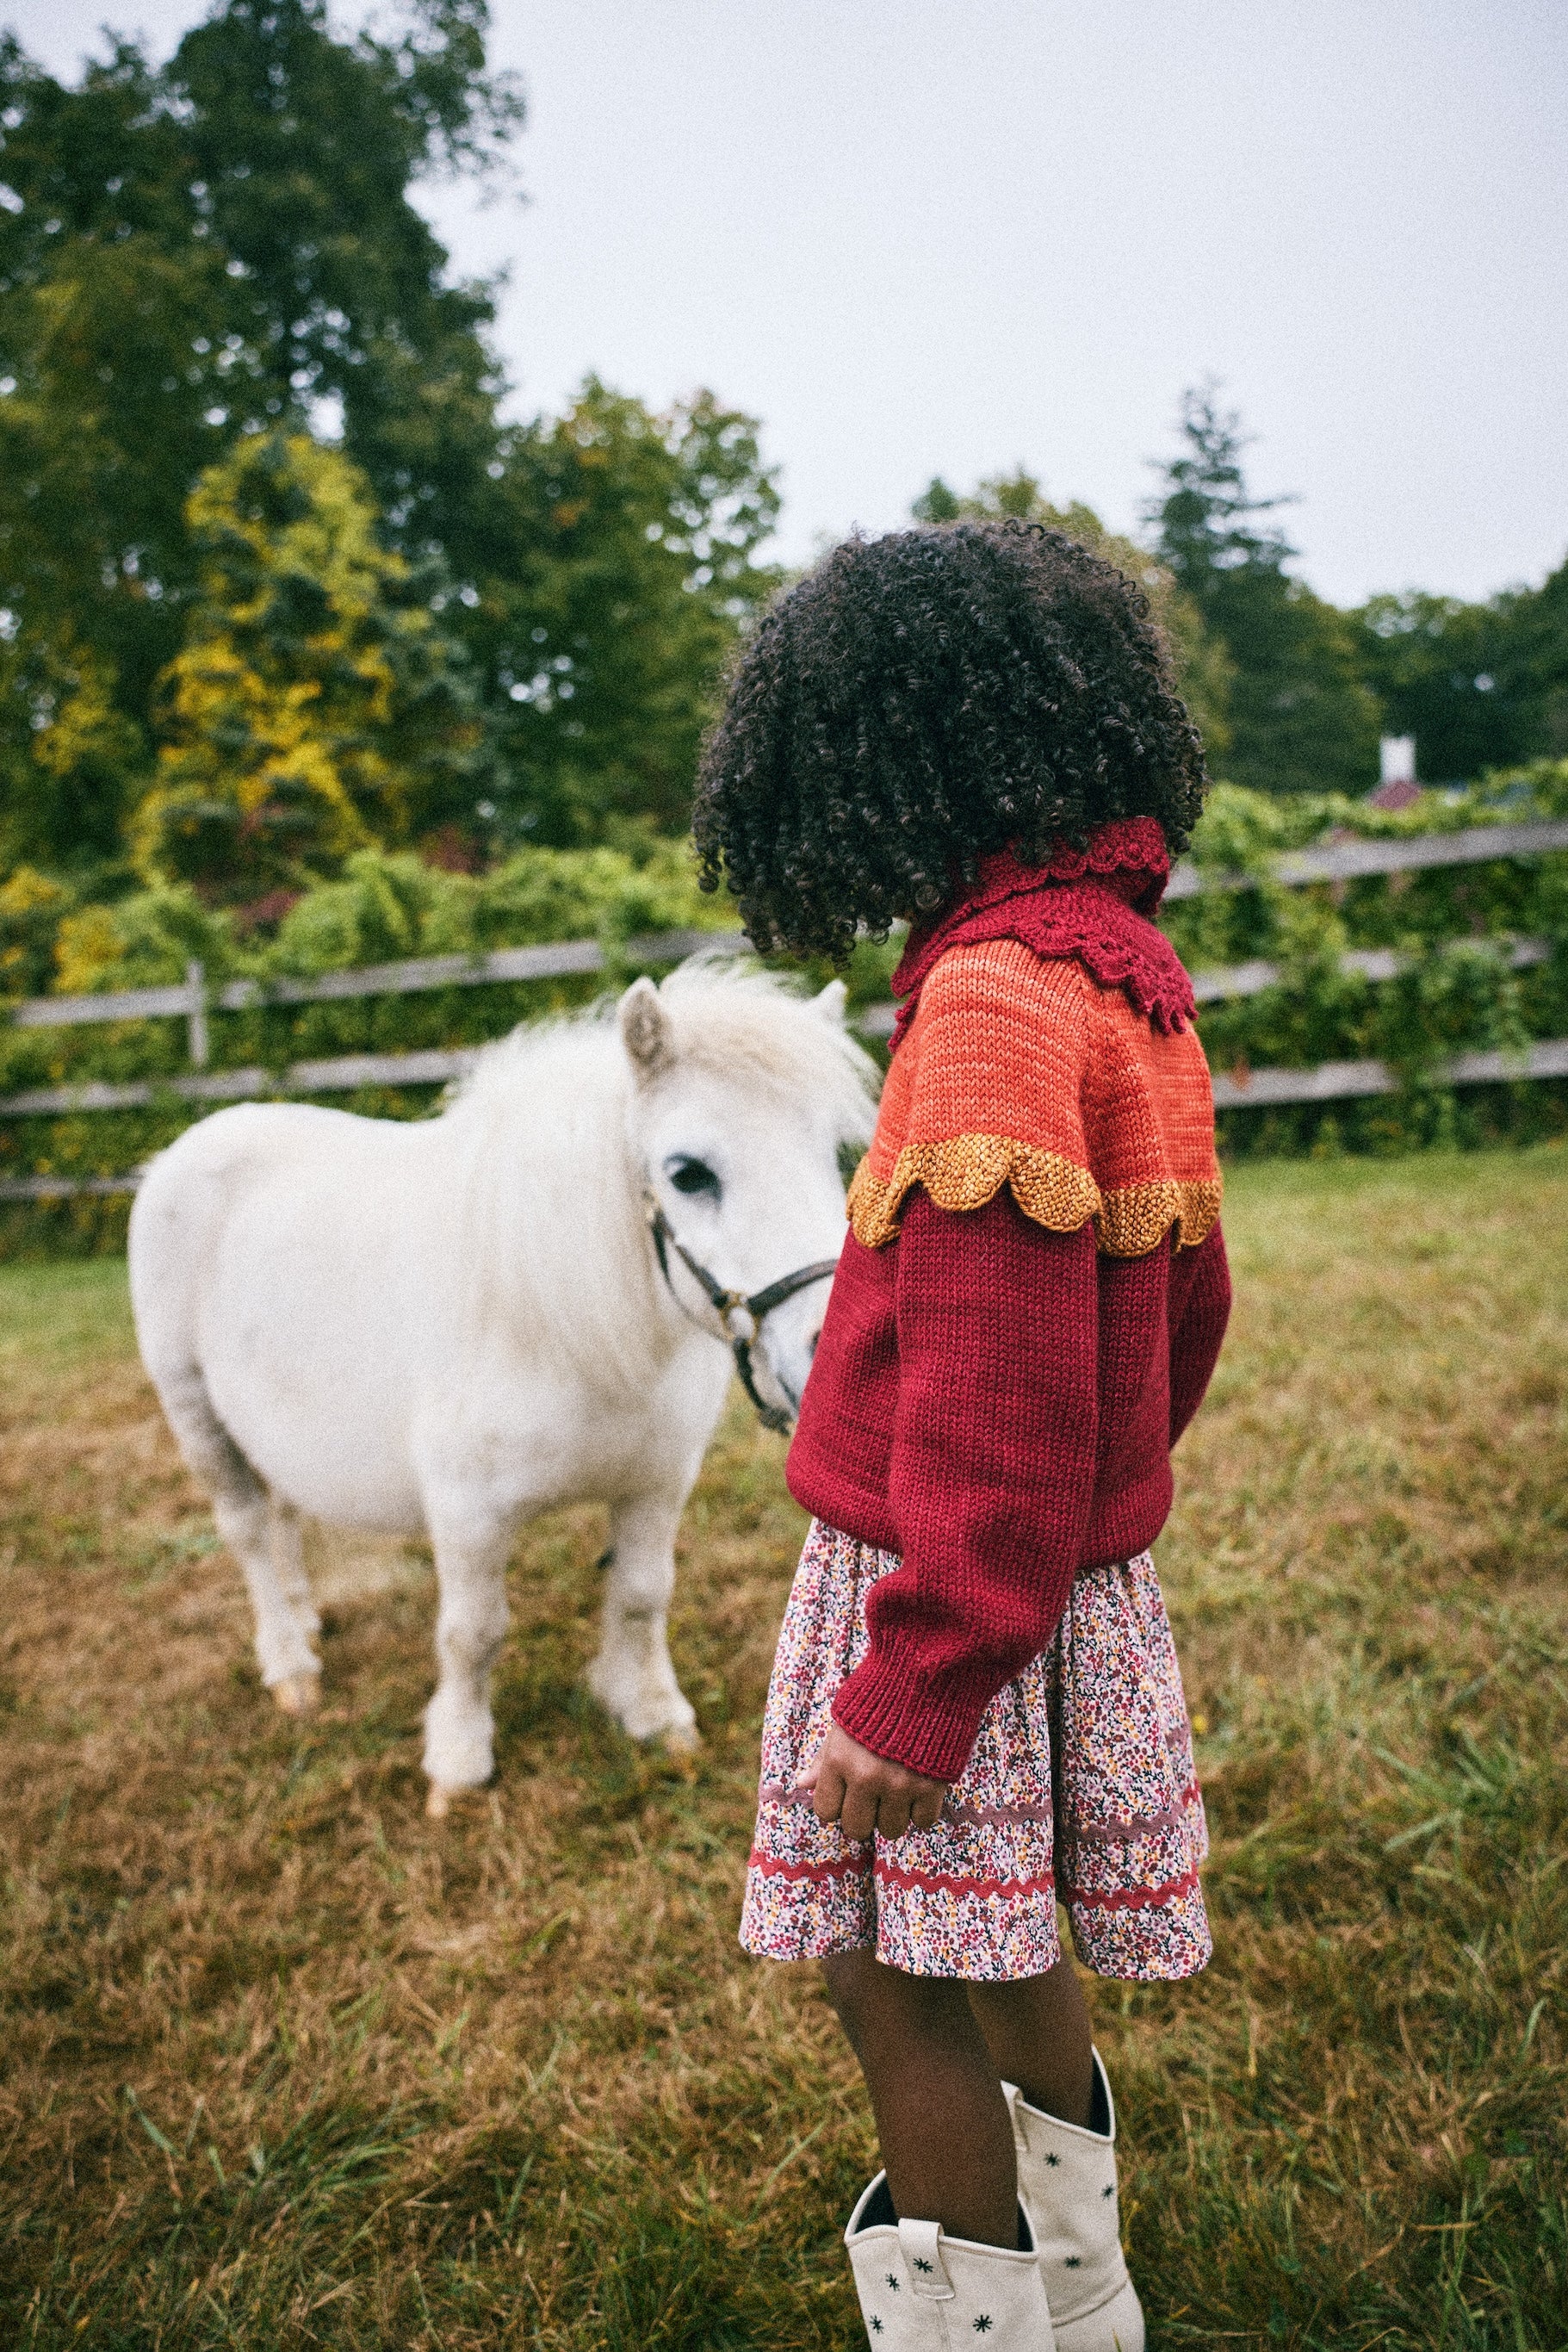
(921, 2264)
(983, 2323)
(893, 2282)
(875, 2325)
(1053, 2161)
(1109, 2191)
(1072, 2261)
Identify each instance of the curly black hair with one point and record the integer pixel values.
(919, 700)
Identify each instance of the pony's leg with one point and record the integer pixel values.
(632, 1677)
(470, 1626)
(264, 1536)
(259, 1533)
(297, 1694)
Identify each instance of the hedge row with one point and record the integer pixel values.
(1458, 992)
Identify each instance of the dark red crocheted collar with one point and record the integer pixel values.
(1091, 905)
(1130, 849)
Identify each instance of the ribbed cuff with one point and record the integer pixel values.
(900, 1715)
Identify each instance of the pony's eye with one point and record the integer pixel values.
(693, 1176)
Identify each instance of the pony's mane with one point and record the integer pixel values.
(728, 1017)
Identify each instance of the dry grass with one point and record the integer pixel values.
(286, 2065)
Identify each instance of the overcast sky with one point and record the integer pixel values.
(950, 236)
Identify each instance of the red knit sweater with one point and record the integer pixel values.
(997, 1404)
(1030, 1303)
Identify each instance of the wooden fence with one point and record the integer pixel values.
(191, 1001)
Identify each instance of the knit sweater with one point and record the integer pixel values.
(1025, 1317)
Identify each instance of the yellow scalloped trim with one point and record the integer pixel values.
(967, 1170)
(1136, 1218)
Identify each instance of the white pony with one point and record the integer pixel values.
(448, 1325)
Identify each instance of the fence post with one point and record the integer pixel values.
(196, 1015)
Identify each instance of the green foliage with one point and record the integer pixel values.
(1454, 927)
(197, 257)
(189, 254)
(383, 907)
(31, 907)
(1203, 667)
(1478, 685)
(70, 760)
(637, 539)
(145, 940)
(1301, 717)
(387, 907)
(316, 704)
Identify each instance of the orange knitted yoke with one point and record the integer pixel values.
(1022, 1071)
(995, 1397)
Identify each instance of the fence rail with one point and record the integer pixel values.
(191, 999)
(1340, 1081)
(1347, 861)
(340, 1074)
(1369, 963)
(1233, 1090)
(1251, 979)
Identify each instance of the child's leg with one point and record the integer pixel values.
(946, 2139)
(1039, 2035)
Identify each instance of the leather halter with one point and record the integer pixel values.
(742, 1316)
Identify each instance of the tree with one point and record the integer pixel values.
(317, 706)
(1202, 667)
(1478, 685)
(194, 255)
(637, 537)
(31, 907)
(69, 758)
(1303, 719)
(1543, 632)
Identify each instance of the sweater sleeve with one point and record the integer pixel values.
(1196, 1338)
(992, 1475)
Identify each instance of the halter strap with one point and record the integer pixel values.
(741, 1313)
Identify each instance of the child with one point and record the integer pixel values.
(975, 1709)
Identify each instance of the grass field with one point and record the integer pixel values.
(285, 2065)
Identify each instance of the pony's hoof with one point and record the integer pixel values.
(440, 1799)
(297, 1694)
(683, 1740)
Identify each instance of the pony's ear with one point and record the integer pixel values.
(831, 1000)
(646, 1032)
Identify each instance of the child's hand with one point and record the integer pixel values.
(863, 1792)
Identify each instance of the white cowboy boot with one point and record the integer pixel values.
(1067, 2179)
(922, 2291)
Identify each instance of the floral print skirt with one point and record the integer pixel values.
(1079, 1790)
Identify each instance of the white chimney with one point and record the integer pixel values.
(1395, 760)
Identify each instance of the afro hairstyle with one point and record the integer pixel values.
(919, 700)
